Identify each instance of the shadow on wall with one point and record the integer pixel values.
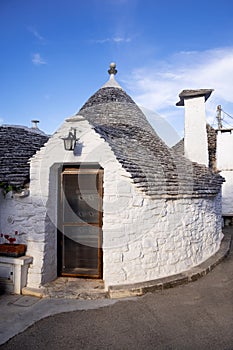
(228, 220)
(3, 288)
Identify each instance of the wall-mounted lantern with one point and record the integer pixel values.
(70, 140)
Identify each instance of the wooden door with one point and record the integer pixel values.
(81, 212)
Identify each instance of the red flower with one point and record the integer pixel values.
(10, 237)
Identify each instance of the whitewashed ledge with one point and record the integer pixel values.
(13, 273)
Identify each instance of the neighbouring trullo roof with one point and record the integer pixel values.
(17, 145)
(154, 167)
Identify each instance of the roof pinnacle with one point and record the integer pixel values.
(112, 82)
(112, 69)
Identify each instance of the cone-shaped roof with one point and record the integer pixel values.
(17, 145)
(154, 167)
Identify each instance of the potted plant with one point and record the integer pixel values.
(10, 248)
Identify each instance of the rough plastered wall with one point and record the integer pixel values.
(143, 239)
(44, 189)
(147, 239)
(225, 165)
(14, 213)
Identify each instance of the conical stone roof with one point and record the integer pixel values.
(17, 145)
(154, 167)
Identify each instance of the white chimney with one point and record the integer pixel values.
(195, 134)
(34, 123)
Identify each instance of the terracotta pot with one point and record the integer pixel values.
(13, 250)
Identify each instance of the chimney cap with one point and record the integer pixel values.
(34, 123)
(187, 94)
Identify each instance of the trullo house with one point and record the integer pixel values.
(109, 199)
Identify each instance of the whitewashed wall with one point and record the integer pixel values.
(225, 165)
(143, 239)
(159, 238)
(14, 216)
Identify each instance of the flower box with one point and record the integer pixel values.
(13, 250)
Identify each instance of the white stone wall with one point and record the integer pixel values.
(14, 214)
(227, 193)
(225, 165)
(159, 238)
(143, 239)
(44, 188)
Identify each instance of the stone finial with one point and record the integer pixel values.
(112, 82)
(112, 69)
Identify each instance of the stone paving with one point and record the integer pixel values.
(75, 288)
(194, 316)
(70, 288)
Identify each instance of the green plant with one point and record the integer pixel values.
(6, 188)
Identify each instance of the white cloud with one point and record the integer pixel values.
(36, 34)
(116, 39)
(157, 87)
(37, 59)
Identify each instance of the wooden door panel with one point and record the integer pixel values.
(81, 213)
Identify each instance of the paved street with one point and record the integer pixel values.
(194, 316)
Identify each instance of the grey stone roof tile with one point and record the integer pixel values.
(17, 146)
(154, 167)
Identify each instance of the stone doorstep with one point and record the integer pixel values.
(35, 292)
(82, 294)
(138, 289)
(62, 289)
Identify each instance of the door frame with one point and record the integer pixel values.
(77, 169)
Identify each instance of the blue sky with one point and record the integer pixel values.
(55, 54)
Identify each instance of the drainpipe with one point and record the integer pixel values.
(195, 134)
